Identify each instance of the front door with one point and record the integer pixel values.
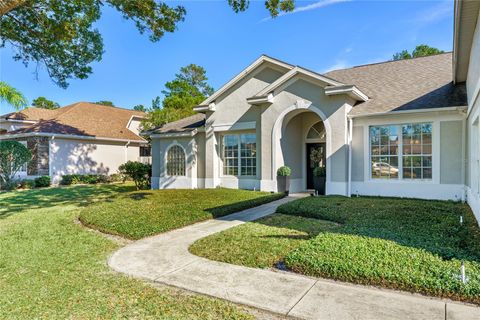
(311, 164)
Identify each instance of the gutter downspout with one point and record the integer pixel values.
(350, 131)
(126, 151)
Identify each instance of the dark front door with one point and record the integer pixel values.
(311, 164)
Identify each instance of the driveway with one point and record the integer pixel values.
(165, 259)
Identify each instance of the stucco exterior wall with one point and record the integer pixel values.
(473, 125)
(448, 142)
(87, 157)
(193, 165)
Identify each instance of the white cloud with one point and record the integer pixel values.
(339, 64)
(436, 13)
(309, 7)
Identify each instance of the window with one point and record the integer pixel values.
(240, 154)
(417, 151)
(317, 131)
(401, 151)
(145, 151)
(175, 161)
(384, 152)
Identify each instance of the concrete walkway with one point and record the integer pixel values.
(165, 259)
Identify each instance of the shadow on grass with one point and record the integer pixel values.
(81, 195)
(428, 225)
(235, 207)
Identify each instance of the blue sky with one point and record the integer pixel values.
(321, 35)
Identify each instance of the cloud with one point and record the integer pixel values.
(309, 7)
(339, 64)
(436, 13)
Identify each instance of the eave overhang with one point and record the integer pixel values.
(205, 107)
(350, 90)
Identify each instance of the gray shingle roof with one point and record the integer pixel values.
(183, 125)
(419, 83)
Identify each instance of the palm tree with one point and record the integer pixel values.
(12, 96)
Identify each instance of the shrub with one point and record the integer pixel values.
(117, 177)
(43, 181)
(284, 171)
(69, 179)
(319, 172)
(26, 184)
(139, 172)
(13, 155)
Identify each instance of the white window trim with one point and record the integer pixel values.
(165, 159)
(239, 166)
(400, 179)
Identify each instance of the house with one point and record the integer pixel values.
(407, 128)
(81, 138)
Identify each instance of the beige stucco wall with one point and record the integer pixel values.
(358, 158)
(86, 157)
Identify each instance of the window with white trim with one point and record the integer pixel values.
(239, 154)
(175, 161)
(401, 151)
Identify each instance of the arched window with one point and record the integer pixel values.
(317, 131)
(175, 161)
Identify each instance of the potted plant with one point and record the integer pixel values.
(319, 177)
(283, 179)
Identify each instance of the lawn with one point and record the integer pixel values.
(139, 214)
(412, 245)
(53, 268)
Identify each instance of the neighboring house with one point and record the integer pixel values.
(83, 138)
(398, 128)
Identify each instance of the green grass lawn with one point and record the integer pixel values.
(140, 214)
(412, 245)
(52, 268)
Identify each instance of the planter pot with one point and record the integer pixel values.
(283, 184)
(319, 184)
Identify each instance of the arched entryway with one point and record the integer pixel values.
(296, 134)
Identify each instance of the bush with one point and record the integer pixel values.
(139, 172)
(320, 172)
(26, 184)
(284, 171)
(117, 177)
(69, 179)
(41, 182)
(13, 155)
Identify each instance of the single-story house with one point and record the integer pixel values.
(81, 138)
(407, 128)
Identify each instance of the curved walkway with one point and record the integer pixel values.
(165, 259)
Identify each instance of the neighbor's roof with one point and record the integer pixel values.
(81, 119)
(30, 114)
(183, 125)
(419, 83)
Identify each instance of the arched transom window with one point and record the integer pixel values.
(317, 132)
(175, 161)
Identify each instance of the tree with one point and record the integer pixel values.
(12, 96)
(140, 107)
(188, 89)
(421, 50)
(13, 155)
(42, 102)
(61, 35)
(105, 103)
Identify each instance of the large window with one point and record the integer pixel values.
(240, 154)
(175, 161)
(401, 151)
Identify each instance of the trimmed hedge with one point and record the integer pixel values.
(70, 179)
(42, 182)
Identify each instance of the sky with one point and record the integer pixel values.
(319, 35)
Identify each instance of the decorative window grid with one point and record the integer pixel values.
(175, 161)
(401, 151)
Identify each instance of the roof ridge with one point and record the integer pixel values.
(391, 61)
